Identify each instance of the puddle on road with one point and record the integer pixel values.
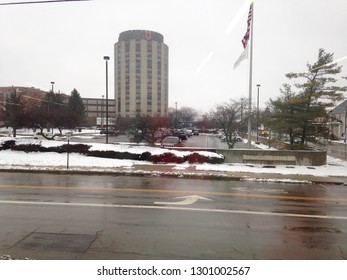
(314, 229)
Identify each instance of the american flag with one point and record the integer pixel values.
(249, 19)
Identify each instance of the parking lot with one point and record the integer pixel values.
(202, 140)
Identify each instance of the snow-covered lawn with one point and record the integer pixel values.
(36, 160)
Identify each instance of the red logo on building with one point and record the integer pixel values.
(148, 35)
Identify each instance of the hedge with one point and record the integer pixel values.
(114, 154)
(167, 157)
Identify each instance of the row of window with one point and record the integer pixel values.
(138, 46)
(149, 110)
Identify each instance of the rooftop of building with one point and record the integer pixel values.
(141, 35)
(341, 108)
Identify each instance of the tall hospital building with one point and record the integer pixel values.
(141, 74)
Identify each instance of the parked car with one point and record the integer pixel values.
(180, 133)
(171, 141)
(236, 138)
(195, 132)
(297, 140)
(6, 132)
(189, 132)
(109, 132)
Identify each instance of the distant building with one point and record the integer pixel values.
(338, 120)
(96, 111)
(95, 107)
(141, 74)
(26, 91)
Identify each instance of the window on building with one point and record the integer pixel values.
(138, 46)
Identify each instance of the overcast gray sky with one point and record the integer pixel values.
(66, 42)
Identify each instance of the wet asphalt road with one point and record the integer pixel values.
(119, 217)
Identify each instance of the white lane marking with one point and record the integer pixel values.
(227, 211)
(188, 200)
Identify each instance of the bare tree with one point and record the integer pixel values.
(148, 128)
(231, 118)
(186, 116)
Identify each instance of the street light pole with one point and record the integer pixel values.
(68, 136)
(241, 111)
(345, 126)
(48, 101)
(175, 116)
(106, 58)
(258, 86)
(102, 111)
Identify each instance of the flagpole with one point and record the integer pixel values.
(250, 82)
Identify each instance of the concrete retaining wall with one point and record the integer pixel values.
(282, 157)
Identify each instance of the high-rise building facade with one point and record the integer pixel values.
(141, 74)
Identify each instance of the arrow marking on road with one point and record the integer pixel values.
(187, 200)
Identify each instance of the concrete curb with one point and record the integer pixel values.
(188, 173)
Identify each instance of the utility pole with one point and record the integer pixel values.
(106, 58)
(258, 86)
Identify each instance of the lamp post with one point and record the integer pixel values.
(258, 86)
(68, 136)
(241, 119)
(241, 111)
(102, 111)
(344, 140)
(106, 58)
(48, 101)
(175, 116)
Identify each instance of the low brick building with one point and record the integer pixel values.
(95, 107)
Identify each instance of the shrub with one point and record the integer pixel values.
(215, 160)
(196, 158)
(166, 158)
(7, 145)
(113, 154)
(57, 149)
(146, 156)
(76, 148)
(29, 148)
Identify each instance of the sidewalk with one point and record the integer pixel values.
(191, 172)
(185, 171)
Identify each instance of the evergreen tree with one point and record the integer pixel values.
(77, 108)
(317, 91)
(13, 112)
(287, 113)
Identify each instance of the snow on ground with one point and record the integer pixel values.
(35, 160)
(13, 159)
(335, 167)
